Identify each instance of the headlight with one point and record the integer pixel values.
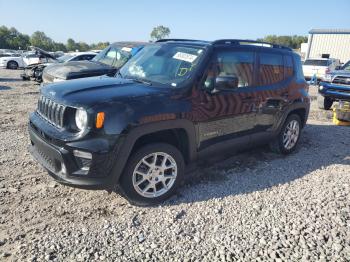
(328, 78)
(81, 119)
(56, 79)
(320, 88)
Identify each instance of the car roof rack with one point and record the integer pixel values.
(248, 42)
(179, 40)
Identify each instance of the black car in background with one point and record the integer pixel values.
(107, 62)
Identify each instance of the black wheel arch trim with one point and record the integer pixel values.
(134, 134)
(297, 105)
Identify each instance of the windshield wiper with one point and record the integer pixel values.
(140, 80)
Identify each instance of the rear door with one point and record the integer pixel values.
(275, 74)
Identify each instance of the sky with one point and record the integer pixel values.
(107, 20)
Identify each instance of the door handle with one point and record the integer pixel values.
(248, 99)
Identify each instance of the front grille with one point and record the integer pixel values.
(338, 90)
(51, 111)
(341, 80)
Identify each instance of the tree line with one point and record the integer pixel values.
(11, 38)
(285, 40)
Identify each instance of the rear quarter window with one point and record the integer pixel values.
(298, 68)
(288, 66)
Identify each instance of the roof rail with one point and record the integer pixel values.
(248, 42)
(178, 40)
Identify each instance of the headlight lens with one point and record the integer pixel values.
(320, 88)
(328, 77)
(81, 119)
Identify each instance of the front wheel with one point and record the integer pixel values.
(288, 138)
(324, 102)
(152, 174)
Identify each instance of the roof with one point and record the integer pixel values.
(224, 42)
(82, 53)
(329, 31)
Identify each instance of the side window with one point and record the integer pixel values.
(232, 63)
(89, 57)
(121, 58)
(298, 68)
(271, 69)
(77, 58)
(288, 66)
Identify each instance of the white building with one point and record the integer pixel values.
(333, 43)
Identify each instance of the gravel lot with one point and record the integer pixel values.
(255, 205)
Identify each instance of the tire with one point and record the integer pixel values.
(278, 145)
(131, 185)
(12, 65)
(324, 102)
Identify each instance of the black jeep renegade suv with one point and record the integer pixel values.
(174, 102)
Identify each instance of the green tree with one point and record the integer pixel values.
(12, 39)
(289, 41)
(41, 40)
(160, 32)
(82, 46)
(71, 45)
(59, 47)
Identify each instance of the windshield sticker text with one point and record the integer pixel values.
(185, 57)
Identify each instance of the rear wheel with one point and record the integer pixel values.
(288, 137)
(12, 65)
(324, 102)
(152, 174)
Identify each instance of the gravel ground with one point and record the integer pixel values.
(255, 205)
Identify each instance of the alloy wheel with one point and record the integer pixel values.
(291, 134)
(154, 174)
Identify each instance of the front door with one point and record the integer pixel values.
(227, 113)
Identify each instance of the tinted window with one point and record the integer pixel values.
(232, 63)
(315, 62)
(346, 66)
(288, 63)
(298, 68)
(271, 69)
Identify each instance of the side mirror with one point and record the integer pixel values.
(337, 67)
(226, 82)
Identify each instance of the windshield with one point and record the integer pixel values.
(316, 62)
(114, 56)
(347, 66)
(167, 64)
(64, 58)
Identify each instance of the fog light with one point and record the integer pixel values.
(83, 159)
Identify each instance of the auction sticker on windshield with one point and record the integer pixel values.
(185, 57)
(127, 49)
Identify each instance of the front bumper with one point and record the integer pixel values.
(335, 91)
(65, 167)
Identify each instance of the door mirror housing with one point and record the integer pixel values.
(226, 82)
(338, 67)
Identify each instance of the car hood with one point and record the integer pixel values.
(68, 69)
(340, 73)
(42, 52)
(91, 91)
